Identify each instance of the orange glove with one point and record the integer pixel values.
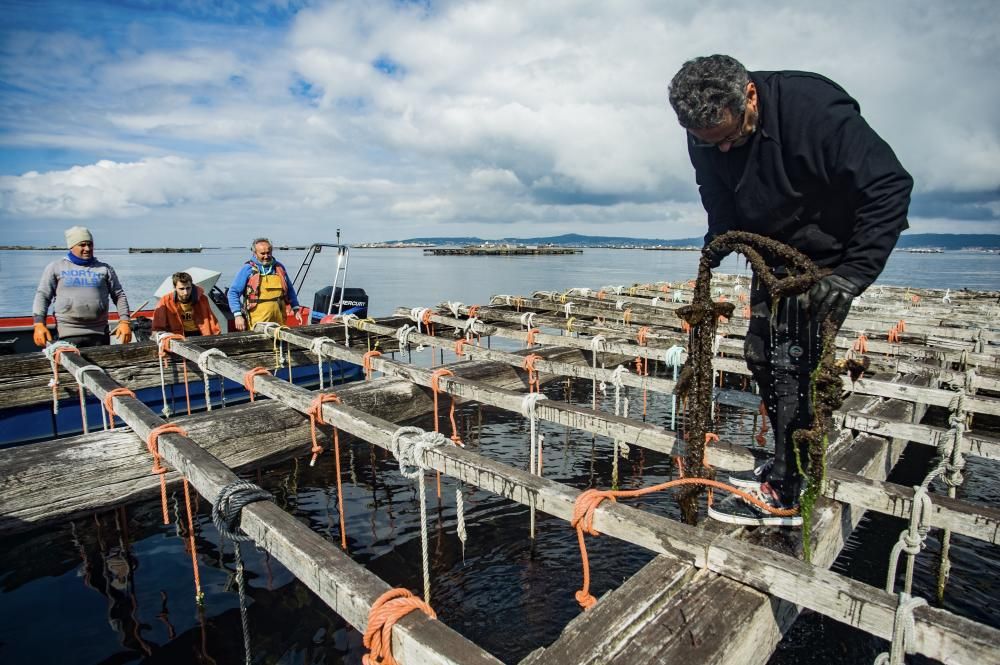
(124, 332)
(42, 335)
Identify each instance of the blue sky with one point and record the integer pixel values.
(231, 119)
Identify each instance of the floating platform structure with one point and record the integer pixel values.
(713, 595)
(501, 250)
(164, 250)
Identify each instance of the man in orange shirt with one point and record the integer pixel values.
(185, 310)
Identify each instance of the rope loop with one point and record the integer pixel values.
(403, 335)
(80, 371)
(153, 446)
(163, 340)
(527, 320)
(316, 345)
(315, 413)
(529, 402)
(248, 379)
(389, 608)
(903, 630)
(229, 505)
(534, 384)
(109, 403)
(568, 309)
(408, 445)
(366, 361)
(617, 376)
(203, 357)
(598, 343)
(454, 308)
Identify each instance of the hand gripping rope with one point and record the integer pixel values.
(226, 517)
(408, 446)
(315, 412)
(389, 608)
(53, 352)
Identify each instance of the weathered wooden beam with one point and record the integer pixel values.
(343, 584)
(939, 633)
(973, 443)
(63, 478)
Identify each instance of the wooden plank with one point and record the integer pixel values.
(60, 479)
(940, 634)
(346, 586)
(973, 443)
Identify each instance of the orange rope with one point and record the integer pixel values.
(642, 369)
(534, 385)
(56, 356)
(588, 501)
(601, 294)
(153, 445)
(665, 288)
(642, 337)
(389, 608)
(901, 326)
(893, 336)
(315, 412)
(436, 387)
(530, 341)
(627, 317)
(761, 440)
(746, 311)
(861, 344)
(685, 326)
(744, 297)
(198, 595)
(249, 377)
(109, 403)
(460, 346)
(367, 363)
(518, 303)
(164, 343)
(473, 310)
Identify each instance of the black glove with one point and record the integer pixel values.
(715, 256)
(832, 296)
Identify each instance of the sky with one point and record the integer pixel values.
(179, 121)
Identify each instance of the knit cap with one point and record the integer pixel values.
(77, 234)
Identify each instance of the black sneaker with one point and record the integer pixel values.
(752, 478)
(736, 510)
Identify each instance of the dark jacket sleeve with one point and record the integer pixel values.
(715, 196)
(860, 163)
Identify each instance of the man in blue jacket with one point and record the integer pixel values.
(262, 290)
(787, 155)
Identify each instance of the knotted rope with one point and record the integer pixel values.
(366, 362)
(390, 607)
(226, 512)
(54, 353)
(408, 446)
(153, 445)
(316, 346)
(534, 383)
(163, 340)
(903, 630)
(109, 402)
(315, 413)
(248, 379)
(206, 375)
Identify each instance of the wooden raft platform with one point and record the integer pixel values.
(711, 587)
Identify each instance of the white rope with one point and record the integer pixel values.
(454, 308)
(527, 320)
(460, 519)
(674, 358)
(408, 446)
(347, 327)
(78, 376)
(655, 301)
(618, 290)
(470, 327)
(50, 353)
(568, 309)
(206, 373)
(403, 335)
(619, 304)
(528, 405)
(903, 630)
(417, 315)
(316, 346)
(598, 343)
(946, 298)
(677, 296)
(161, 337)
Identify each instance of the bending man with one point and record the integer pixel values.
(787, 155)
(185, 310)
(81, 286)
(262, 289)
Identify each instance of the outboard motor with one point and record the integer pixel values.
(355, 301)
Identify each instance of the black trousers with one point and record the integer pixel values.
(93, 339)
(782, 349)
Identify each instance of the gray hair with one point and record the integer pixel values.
(705, 87)
(257, 241)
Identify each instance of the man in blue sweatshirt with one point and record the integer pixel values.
(262, 289)
(81, 286)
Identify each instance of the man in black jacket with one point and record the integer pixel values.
(787, 155)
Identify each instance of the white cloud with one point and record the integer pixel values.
(498, 114)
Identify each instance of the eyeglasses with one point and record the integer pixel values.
(740, 133)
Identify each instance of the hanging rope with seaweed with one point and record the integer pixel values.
(695, 381)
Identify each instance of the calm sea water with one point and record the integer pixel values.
(118, 584)
(405, 277)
